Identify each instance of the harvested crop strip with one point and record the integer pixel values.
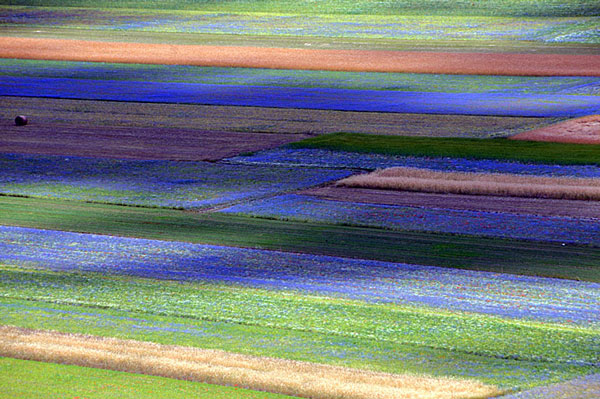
(281, 58)
(218, 367)
(412, 179)
(584, 130)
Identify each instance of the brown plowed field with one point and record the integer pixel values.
(584, 130)
(286, 58)
(528, 206)
(198, 132)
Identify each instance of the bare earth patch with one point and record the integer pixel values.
(288, 377)
(200, 132)
(287, 58)
(496, 184)
(585, 130)
(526, 206)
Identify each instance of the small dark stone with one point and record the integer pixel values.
(21, 120)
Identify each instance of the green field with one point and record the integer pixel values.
(502, 149)
(476, 253)
(380, 337)
(36, 380)
(386, 7)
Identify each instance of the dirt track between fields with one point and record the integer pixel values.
(526, 206)
(285, 58)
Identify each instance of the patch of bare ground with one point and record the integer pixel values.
(200, 132)
(289, 58)
(585, 130)
(515, 205)
(288, 377)
(495, 184)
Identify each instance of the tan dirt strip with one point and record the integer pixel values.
(515, 205)
(585, 130)
(294, 378)
(496, 184)
(286, 58)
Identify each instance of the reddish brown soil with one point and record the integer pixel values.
(584, 130)
(286, 58)
(137, 143)
(530, 206)
(198, 132)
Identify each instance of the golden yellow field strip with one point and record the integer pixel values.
(501, 184)
(218, 367)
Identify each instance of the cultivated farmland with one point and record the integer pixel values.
(322, 200)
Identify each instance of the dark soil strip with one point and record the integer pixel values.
(285, 58)
(138, 143)
(528, 206)
(189, 132)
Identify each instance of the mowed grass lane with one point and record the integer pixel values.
(502, 255)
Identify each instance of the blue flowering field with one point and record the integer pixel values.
(528, 105)
(151, 183)
(129, 269)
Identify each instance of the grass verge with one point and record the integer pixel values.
(37, 380)
(521, 151)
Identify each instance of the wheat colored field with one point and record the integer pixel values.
(302, 379)
(502, 184)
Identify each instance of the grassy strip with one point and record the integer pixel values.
(522, 151)
(508, 256)
(479, 334)
(36, 380)
(397, 7)
(308, 380)
(324, 347)
(498, 184)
